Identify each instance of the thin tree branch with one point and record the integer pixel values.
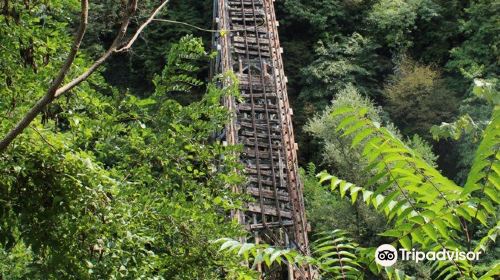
(141, 28)
(43, 138)
(128, 13)
(56, 90)
(84, 21)
(193, 26)
(50, 95)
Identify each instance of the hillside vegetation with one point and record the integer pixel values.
(112, 164)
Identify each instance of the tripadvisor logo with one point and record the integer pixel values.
(387, 255)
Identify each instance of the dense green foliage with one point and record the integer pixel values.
(135, 70)
(330, 45)
(105, 184)
(430, 69)
(125, 177)
(424, 208)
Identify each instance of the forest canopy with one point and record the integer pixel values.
(113, 164)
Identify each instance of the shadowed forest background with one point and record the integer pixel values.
(124, 178)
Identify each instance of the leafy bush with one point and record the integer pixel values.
(418, 97)
(112, 186)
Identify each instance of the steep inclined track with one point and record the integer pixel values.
(262, 124)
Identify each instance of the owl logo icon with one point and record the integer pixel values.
(386, 255)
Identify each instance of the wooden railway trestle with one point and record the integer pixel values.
(262, 123)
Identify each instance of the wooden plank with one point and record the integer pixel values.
(269, 95)
(265, 182)
(257, 84)
(246, 10)
(285, 223)
(268, 194)
(249, 19)
(267, 172)
(258, 108)
(241, 28)
(250, 39)
(252, 47)
(249, 142)
(260, 144)
(262, 166)
(259, 118)
(262, 154)
(263, 53)
(274, 127)
(252, 207)
(245, 2)
(259, 135)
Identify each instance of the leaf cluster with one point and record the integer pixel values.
(427, 209)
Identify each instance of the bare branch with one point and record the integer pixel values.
(84, 21)
(128, 13)
(141, 28)
(43, 138)
(56, 90)
(50, 95)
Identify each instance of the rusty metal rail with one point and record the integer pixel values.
(262, 123)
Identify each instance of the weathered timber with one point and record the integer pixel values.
(268, 210)
(262, 124)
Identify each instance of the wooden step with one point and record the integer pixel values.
(241, 28)
(263, 144)
(237, 3)
(257, 108)
(242, 51)
(259, 118)
(262, 127)
(262, 154)
(246, 133)
(263, 182)
(251, 40)
(269, 95)
(252, 47)
(267, 172)
(252, 207)
(268, 194)
(285, 223)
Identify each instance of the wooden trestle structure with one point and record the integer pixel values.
(249, 47)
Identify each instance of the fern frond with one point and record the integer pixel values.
(401, 171)
(397, 274)
(427, 207)
(484, 177)
(411, 226)
(336, 253)
(403, 182)
(385, 204)
(492, 273)
(262, 253)
(490, 238)
(449, 269)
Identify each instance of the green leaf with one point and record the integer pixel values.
(245, 248)
(391, 233)
(345, 122)
(342, 111)
(406, 243)
(430, 231)
(275, 255)
(361, 136)
(367, 195)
